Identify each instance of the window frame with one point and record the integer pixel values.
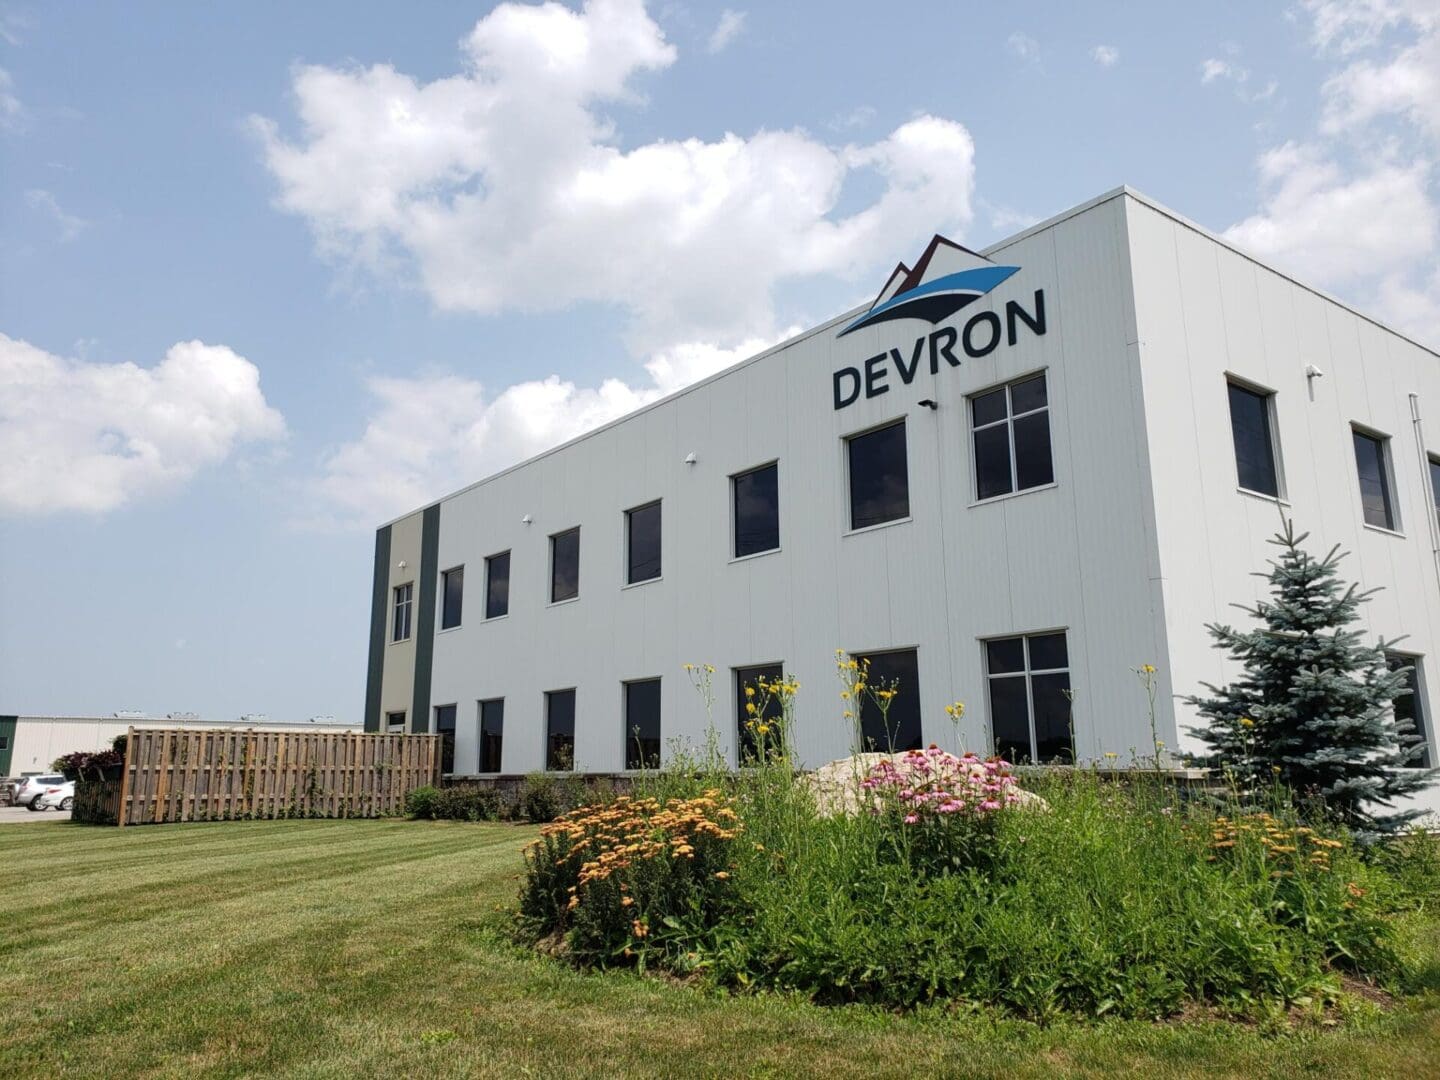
(435, 729)
(395, 611)
(737, 689)
(1272, 434)
(1009, 420)
(482, 737)
(1027, 673)
(545, 730)
(1420, 713)
(551, 591)
(489, 565)
(628, 729)
(628, 549)
(1395, 525)
(444, 604)
(895, 747)
(390, 722)
(734, 479)
(1432, 462)
(847, 443)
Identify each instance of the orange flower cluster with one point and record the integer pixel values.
(607, 840)
(1291, 845)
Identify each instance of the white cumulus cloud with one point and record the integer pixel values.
(1105, 55)
(92, 437)
(730, 26)
(69, 224)
(505, 186)
(1358, 205)
(431, 434)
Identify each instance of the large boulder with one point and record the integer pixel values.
(836, 785)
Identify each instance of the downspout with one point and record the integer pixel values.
(1433, 516)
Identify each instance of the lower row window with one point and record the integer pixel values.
(895, 727)
(492, 731)
(1410, 705)
(395, 723)
(560, 730)
(1029, 683)
(445, 728)
(642, 724)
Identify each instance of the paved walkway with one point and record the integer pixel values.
(10, 815)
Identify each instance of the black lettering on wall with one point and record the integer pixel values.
(1015, 313)
(985, 318)
(907, 375)
(875, 374)
(841, 398)
(948, 335)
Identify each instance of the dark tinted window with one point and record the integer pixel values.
(1254, 445)
(757, 511)
(497, 585)
(492, 731)
(565, 565)
(445, 728)
(766, 707)
(560, 729)
(1409, 706)
(395, 722)
(1435, 484)
(1374, 481)
(642, 724)
(453, 584)
(879, 484)
(1029, 684)
(899, 729)
(642, 530)
(1011, 429)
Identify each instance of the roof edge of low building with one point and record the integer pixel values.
(1123, 191)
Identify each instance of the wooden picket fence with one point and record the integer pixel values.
(178, 774)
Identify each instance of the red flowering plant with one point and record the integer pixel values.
(944, 807)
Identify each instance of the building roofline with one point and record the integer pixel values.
(1180, 219)
(1123, 191)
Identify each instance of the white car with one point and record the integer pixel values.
(32, 786)
(59, 796)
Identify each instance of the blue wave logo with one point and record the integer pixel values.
(934, 300)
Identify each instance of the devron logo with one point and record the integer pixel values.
(947, 278)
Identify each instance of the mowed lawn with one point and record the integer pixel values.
(354, 948)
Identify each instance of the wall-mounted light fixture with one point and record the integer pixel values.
(929, 404)
(1313, 372)
(400, 565)
(690, 458)
(526, 520)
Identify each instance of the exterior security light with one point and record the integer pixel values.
(1313, 372)
(526, 520)
(690, 458)
(400, 565)
(929, 404)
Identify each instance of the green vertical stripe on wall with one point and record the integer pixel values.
(425, 627)
(7, 735)
(379, 611)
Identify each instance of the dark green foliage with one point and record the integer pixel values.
(1312, 710)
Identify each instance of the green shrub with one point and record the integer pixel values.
(420, 801)
(544, 797)
(469, 804)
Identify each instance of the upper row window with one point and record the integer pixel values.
(1256, 462)
(400, 621)
(756, 496)
(642, 543)
(879, 481)
(565, 565)
(1373, 466)
(1012, 438)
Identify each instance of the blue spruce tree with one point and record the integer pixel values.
(1313, 708)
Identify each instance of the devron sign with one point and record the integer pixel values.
(947, 278)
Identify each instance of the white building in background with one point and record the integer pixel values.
(28, 744)
(1014, 478)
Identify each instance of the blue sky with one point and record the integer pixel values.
(272, 274)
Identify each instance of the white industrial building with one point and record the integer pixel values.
(28, 744)
(1012, 479)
